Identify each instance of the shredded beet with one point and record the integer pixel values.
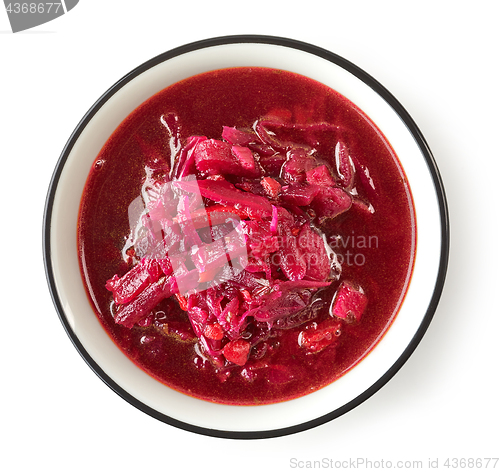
(233, 236)
(350, 302)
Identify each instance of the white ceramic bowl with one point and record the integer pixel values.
(177, 409)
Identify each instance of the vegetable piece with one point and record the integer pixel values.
(271, 186)
(236, 136)
(165, 265)
(221, 191)
(163, 207)
(317, 337)
(214, 157)
(185, 221)
(290, 258)
(126, 288)
(296, 166)
(314, 252)
(186, 161)
(261, 241)
(132, 312)
(220, 157)
(210, 259)
(331, 202)
(162, 237)
(183, 281)
(246, 160)
(270, 161)
(182, 301)
(283, 135)
(350, 302)
(285, 299)
(215, 215)
(237, 351)
(274, 220)
(214, 331)
(320, 176)
(345, 166)
(300, 194)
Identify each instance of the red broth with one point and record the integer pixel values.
(275, 354)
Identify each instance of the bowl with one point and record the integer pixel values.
(233, 421)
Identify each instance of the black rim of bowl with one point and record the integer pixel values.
(413, 129)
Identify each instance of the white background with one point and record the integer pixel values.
(440, 60)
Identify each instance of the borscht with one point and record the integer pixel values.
(246, 236)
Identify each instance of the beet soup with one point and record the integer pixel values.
(246, 236)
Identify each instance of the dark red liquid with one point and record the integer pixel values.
(376, 248)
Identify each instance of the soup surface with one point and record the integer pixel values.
(246, 236)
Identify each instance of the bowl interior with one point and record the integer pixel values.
(106, 358)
